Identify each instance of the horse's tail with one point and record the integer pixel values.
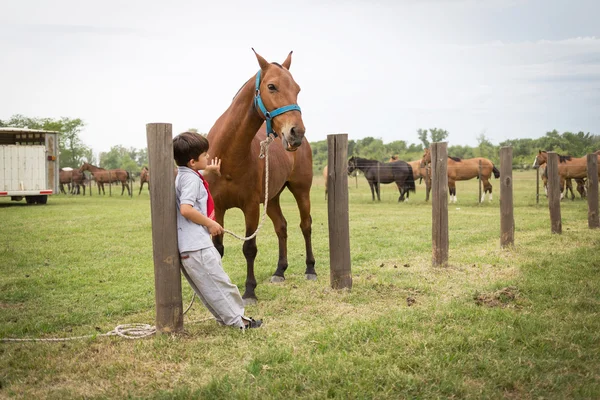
(496, 172)
(409, 184)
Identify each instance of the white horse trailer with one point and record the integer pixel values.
(28, 164)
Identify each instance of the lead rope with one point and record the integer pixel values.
(264, 153)
(138, 330)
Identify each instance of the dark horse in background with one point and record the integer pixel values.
(235, 139)
(398, 171)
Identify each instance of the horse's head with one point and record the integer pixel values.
(540, 159)
(84, 167)
(426, 158)
(351, 165)
(276, 96)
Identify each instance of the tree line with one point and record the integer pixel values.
(73, 152)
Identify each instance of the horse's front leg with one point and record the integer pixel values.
(250, 250)
(371, 185)
(218, 239)
(280, 226)
(302, 197)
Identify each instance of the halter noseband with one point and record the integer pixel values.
(269, 115)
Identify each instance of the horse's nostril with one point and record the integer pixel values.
(293, 131)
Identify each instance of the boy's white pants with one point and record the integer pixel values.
(204, 272)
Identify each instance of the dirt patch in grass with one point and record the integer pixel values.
(505, 297)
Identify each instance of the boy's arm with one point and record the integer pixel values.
(189, 212)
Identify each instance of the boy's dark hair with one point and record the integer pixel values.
(188, 146)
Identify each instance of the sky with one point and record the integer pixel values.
(381, 68)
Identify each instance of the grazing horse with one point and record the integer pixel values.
(102, 176)
(568, 168)
(144, 177)
(270, 95)
(398, 171)
(421, 172)
(463, 170)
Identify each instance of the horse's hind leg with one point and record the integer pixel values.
(141, 187)
(487, 188)
(302, 196)
(280, 226)
(250, 250)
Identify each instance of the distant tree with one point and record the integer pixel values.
(438, 135)
(422, 133)
(120, 157)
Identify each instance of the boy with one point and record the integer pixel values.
(195, 226)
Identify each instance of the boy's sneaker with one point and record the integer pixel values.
(252, 323)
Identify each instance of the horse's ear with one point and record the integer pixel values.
(288, 61)
(539, 152)
(261, 61)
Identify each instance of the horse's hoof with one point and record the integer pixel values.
(277, 279)
(250, 301)
(311, 277)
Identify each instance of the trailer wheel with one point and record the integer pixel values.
(30, 199)
(42, 199)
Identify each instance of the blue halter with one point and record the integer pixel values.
(269, 115)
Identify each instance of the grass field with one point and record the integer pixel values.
(519, 324)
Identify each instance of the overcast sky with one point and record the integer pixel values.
(507, 69)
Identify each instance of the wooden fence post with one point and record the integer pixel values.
(507, 219)
(167, 277)
(439, 203)
(554, 192)
(109, 184)
(340, 272)
(592, 194)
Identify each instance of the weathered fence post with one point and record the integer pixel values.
(507, 219)
(554, 192)
(439, 203)
(479, 184)
(109, 184)
(167, 277)
(340, 272)
(592, 194)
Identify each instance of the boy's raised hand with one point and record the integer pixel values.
(214, 166)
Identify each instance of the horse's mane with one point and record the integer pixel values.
(564, 158)
(457, 159)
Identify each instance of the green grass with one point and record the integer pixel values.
(496, 323)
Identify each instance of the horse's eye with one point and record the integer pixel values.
(271, 86)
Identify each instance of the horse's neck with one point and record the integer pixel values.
(235, 129)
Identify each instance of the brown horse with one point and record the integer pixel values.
(568, 185)
(462, 170)
(74, 179)
(144, 177)
(102, 176)
(235, 139)
(568, 168)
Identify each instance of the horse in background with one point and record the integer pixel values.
(581, 189)
(73, 178)
(465, 169)
(419, 172)
(270, 95)
(568, 168)
(102, 176)
(144, 178)
(374, 171)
